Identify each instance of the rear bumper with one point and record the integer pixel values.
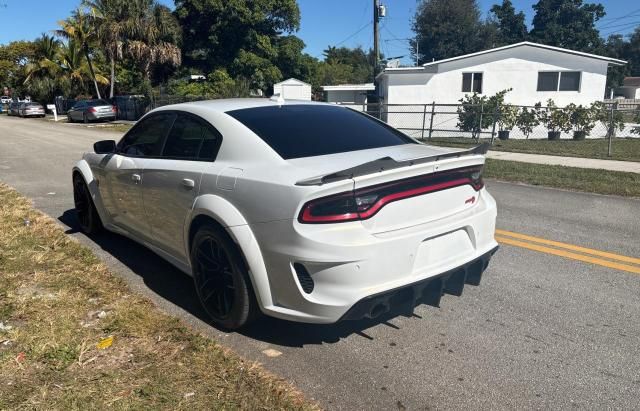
(326, 273)
(428, 291)
(101, 116)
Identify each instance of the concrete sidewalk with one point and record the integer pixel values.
(613, 165)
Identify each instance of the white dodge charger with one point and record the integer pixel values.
(303, 211)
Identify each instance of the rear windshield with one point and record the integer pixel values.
(306, 130)
(94, 103)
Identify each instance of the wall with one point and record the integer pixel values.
(293, 91)
(357, 97)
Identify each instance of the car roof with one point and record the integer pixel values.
(226, 105)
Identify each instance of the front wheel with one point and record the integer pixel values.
(88, 217)
(221, 279)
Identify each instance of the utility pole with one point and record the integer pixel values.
(376, 48)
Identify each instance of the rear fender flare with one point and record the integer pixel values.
(228, 216)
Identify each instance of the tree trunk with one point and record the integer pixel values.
(113, 76)
(93, 74)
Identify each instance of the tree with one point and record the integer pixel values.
(632, 53)
(74, 68)
(448, 28)
(156, 38)
(42, 72)
(79, 28)
(14, 58)
(240, 35)
(511, 27)
(141, 29)
(567, 23)
(113, 24)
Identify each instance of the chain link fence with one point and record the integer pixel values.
(426, 121)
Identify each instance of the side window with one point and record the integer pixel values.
(146, 139)
(210, 144)
(472, 82)
(191, 139)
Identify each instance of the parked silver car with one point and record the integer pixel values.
(31, 110)
(91, 110)
(14, 108)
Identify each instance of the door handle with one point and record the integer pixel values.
(188, 183)
(136, 178)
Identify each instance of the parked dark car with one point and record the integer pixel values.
(91, 110)
(14, 108)
(31, 110)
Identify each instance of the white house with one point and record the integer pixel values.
(293, 89)
(354, 95)
(534, 72)
(630, 88)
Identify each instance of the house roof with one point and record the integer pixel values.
(631, 81)
(293, 81)
(530, 44)
(434, 64)
(350, 87)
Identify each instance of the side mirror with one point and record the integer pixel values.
(104, 147)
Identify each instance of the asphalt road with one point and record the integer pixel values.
(542, 331)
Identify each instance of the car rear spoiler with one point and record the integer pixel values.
(387, 163)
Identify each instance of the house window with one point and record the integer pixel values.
(559, 81)
(570, 81)
(472, 82)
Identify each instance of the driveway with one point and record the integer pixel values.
(551, 325)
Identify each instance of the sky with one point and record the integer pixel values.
(323, 23)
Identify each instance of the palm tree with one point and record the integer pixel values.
(44, 65)
(114, 23)
(42, 78)
(156, 37)
(75, 68)
(79, 28)
(142, 29)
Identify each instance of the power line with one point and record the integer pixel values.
(621, 24)
(348, 38)
(618, 18)
(623, 27)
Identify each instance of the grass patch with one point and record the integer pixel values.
(626, 149)
(570, 178)
(58, 301)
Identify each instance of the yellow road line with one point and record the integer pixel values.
(568, 254)
(572, 247)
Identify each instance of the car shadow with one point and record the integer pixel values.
(177, 287)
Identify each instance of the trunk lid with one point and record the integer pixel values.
(434, 191)
(401, 186)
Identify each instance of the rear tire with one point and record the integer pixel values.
(88, 216)
(221, 279)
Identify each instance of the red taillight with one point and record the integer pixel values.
(92, 110)
(114, 109)
(366, 202)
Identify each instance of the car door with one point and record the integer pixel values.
(171, 183)
(76, 111)
(120, 187)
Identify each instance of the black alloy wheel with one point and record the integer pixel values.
(222, 282)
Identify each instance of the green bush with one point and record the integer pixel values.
(217, 85)
(581, 118)
(554, 118)
(508, 116)
(612, 120)
(527, 120)
(478, 112)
